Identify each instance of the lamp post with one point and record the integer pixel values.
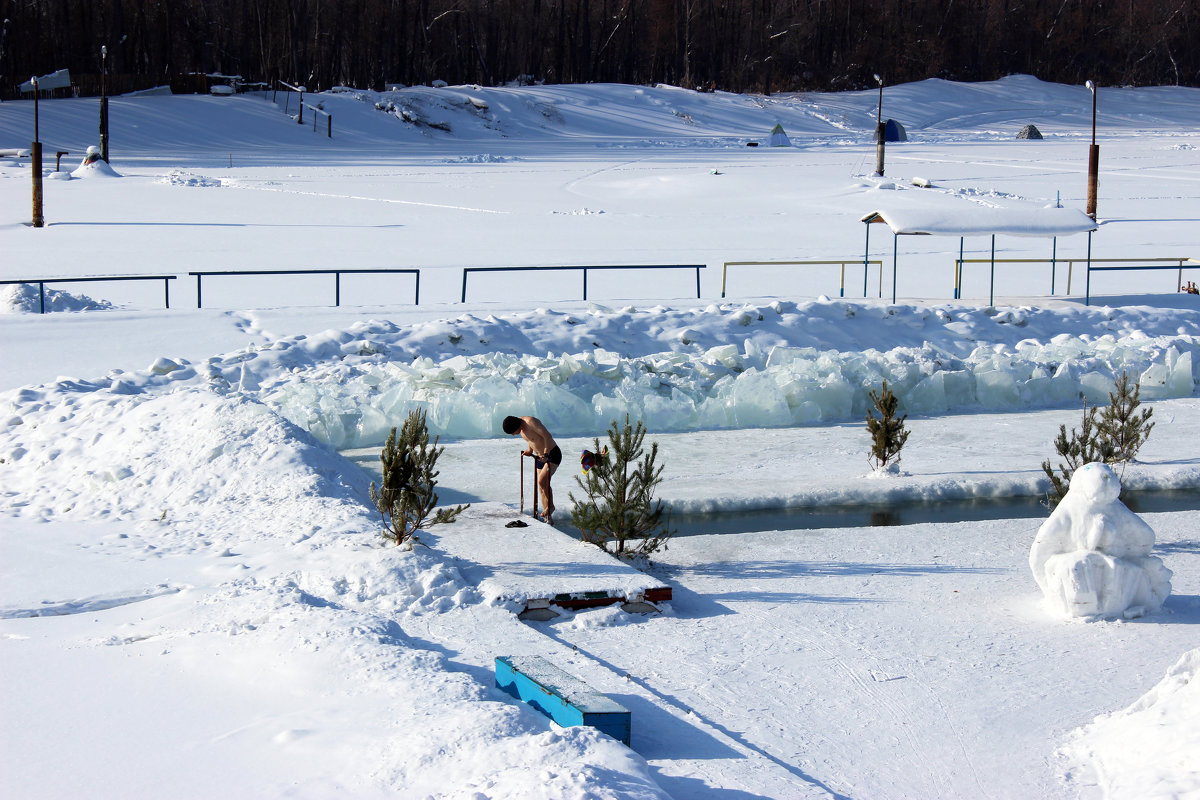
(880, 132)
(36, 162)
(103, 103)
(1093, 159)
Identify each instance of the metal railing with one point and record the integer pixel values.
(337, 280)
(468, 270)
(1123, 264)
(842, 263)
(315, 112)
(41, 284)
(1179, 267)
(289, 90)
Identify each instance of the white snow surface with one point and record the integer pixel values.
(194, 595)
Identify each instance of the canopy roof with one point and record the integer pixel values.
(969, 219)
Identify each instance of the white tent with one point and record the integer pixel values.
(778, 137)
(964, 220)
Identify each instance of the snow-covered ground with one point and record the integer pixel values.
(193, 591)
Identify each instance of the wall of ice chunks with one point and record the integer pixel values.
(726, 386)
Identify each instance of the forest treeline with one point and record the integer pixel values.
(736, 45)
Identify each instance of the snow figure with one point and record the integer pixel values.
(94, 166)
(1091, 558)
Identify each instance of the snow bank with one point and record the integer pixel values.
(1148, 749)
(713, 367)
(23, 298)
(732, 366)
(238, 564)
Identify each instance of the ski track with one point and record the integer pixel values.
(332, 196)
(705, 718)
(860, 677)
(86, 605)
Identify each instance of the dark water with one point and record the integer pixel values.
(854, 516)
(910, 513)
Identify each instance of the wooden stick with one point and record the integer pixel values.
(535, 487)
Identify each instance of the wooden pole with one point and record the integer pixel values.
(36, 164)
(1093, 159)
(535, 487)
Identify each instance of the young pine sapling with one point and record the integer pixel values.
(887, 432)
(619, 510)
(406, 493)
(1110, 436)
(1121, 425)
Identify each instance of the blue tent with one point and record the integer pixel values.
(892, 132)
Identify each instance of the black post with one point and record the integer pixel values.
(1087, 291)
(880, 131)
(992, 279)
(1053, 263)
(895, 245)
(104, 103)
(867, 262)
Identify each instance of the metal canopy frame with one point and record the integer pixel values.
(878, 217)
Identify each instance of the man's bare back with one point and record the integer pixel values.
(534, 432)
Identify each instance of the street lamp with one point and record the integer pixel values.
(1093, 159)
(103, 103)
(880, 132)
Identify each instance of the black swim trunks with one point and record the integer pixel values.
(554, 457)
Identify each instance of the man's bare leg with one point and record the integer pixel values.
(543, 478)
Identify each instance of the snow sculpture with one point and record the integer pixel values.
(1091, 558)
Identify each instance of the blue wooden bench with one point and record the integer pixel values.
(561, 697)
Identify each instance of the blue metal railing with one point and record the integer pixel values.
(41, 284)
(337, 280)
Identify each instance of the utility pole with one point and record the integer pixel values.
(1093, 159)
(104, 103)
(880, 130)
(36, 163)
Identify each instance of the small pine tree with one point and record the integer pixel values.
(1080, 447)
(1111, 436)
(1120, 424)
(887, 432)
(406, 496)
(619, 509)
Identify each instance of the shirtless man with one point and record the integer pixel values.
(546, 456)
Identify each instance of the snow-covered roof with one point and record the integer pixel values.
(975, 220)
